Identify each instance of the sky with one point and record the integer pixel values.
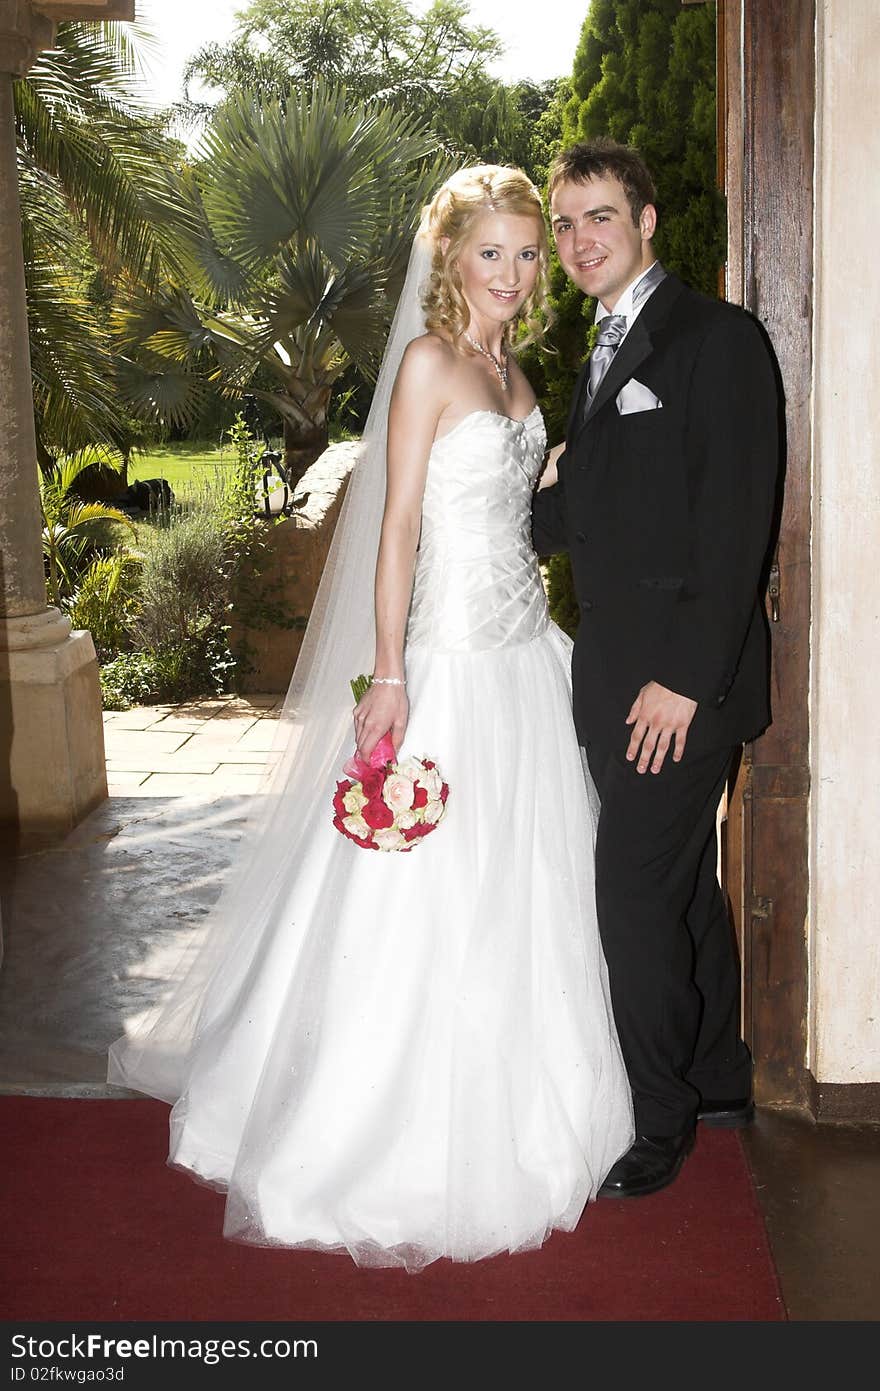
(540, 35)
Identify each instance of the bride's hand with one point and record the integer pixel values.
(381, 710)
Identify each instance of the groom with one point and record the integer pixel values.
(664, 502)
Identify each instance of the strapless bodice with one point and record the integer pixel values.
(477, 583)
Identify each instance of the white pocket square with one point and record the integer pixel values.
(635, 397)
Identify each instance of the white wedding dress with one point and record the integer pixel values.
(414, 1056)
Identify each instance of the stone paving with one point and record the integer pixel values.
(96, 925)
(202, 748)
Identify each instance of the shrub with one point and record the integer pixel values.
(106, 600)
(197, 557)
(182, 581)
(129, 679)
(174, 671)
(74, 532)
(258, 601)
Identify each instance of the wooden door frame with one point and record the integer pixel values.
(766, 114)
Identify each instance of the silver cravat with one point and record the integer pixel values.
(612, 330)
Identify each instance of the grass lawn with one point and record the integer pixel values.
(193, 466)
(186, 466)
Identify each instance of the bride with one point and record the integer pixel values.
(413, 1056)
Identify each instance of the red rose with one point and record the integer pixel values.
(444, 792)
(372, 783)
(420, 798)
(377, 814)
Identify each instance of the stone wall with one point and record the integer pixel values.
(297, 551)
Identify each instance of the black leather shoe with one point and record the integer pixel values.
(651, 1164)
(728, 1115)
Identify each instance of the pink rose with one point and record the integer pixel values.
(398, 792)
(389, 840)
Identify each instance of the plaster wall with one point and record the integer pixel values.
(845, 638)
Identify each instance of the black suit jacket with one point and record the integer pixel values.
(666, 514)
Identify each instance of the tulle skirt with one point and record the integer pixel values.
(411, 1056)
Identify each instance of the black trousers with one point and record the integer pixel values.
(667, 936)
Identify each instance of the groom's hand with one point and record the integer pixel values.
(549, 473)
(659, 718)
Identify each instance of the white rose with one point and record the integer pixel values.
(398, 792)
(354, 799)
(405, 819)
(432, 783)
(356, 826)
(389, 839)
(433, 811)
(409, 767)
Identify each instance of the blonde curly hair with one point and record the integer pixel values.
(452, 213)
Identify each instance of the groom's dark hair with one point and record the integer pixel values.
(599, 159)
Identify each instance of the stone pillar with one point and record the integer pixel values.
(51, 732)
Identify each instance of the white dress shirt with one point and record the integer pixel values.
(624, 304)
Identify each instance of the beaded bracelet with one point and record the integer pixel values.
(386, 681)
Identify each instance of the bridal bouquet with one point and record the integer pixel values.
(386, 804)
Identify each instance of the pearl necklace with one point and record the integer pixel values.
(502, 368)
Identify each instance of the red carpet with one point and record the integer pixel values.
(97, 1227)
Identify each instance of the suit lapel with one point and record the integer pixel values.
(577, 402)
(636, 346)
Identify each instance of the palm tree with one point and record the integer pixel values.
(99, 206)
(306, 208)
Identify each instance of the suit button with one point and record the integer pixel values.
(585, 604)
(579, 536)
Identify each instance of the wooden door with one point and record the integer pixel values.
(766, 90)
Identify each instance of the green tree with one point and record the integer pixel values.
(501, 123)
(644, 73)
(99, 203)
(432, 64)
(377, 49)
(306, 209)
